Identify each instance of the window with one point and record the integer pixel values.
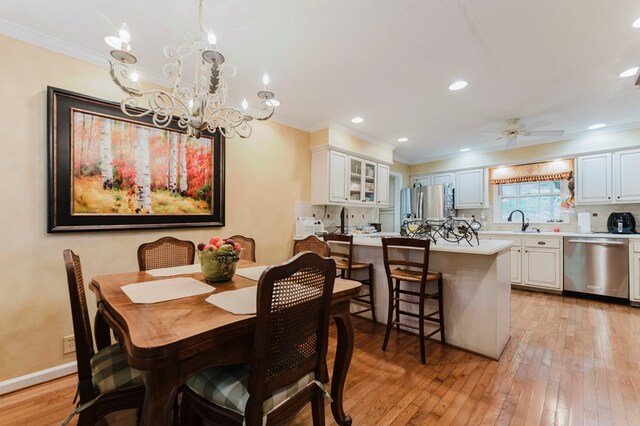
(540, 201)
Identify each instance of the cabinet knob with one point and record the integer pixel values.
(541, 243)
(608, 198)
(618, 196)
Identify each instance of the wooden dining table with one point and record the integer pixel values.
(169, 341)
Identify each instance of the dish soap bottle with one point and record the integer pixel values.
(483, 221)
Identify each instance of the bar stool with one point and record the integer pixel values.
(346, 266)
(420, 275)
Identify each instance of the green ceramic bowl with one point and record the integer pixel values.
(218, 267)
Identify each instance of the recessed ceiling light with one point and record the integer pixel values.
(596, 126)
(465, 149)
(457, 85)
(629, 73)
(636, 23)
(357, 120)
(403, 139)
(273, 102)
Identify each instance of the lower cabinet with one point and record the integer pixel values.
(634, 272)
(536, 263)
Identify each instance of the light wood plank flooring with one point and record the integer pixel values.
(569, 361)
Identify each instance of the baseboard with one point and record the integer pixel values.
(38, 377)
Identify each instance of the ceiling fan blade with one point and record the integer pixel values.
(544, 133)
(537, 125)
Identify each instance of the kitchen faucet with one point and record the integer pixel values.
(524, 225)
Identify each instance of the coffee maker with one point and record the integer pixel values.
(621, 223)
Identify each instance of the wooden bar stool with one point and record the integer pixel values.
(419, 274)
(346, 265)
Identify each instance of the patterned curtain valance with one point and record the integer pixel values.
(549, 170)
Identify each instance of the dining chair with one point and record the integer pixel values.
(166, 252)
(411, 272)
(312, 244)
(342, 252)
(106, 383)
(248, 247)
(288, 366)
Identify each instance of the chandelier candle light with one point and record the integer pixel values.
(197, 108)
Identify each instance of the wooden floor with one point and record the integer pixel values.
(569, 361)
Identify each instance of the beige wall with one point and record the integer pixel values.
(264, 176)
(343, 141)
(566, 148)
(403, 169)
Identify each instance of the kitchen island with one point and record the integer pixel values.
(477, 290)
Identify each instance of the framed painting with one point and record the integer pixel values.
(109, 171)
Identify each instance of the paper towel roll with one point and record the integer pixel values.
(584, 222)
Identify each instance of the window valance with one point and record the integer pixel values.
(548, 170)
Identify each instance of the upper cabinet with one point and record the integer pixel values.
(382, 186)
(608, 178)
(471, 189)
(445, 179)
(339, 178)
(626, 176)
(593, 179)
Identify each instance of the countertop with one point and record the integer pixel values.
(558, 234)
(486, 247)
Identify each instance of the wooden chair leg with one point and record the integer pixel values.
(389, 314)
(188, 416)
(317, 408)
(441, 309)
(101, 331)
(423, 357)
(397, 303)
(373, 305)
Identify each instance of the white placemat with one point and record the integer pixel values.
(252, 273)
(239, 302)
(163, 290)
(176, 270)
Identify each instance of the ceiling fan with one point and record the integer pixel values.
(514, 128)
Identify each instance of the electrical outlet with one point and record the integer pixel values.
(68, 345)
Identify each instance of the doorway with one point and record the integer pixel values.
(390, 216)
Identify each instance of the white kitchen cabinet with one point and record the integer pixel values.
(329, 177)
(471, 189)
(626, 176)
(442, 179)
(593, 179)
(634, 273)
(421, 180)
(516, 265)
(382, 186)
(362, 181)
(542, 263)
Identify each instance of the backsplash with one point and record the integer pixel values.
(598, 223)
(358, 216)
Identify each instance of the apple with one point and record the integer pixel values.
(214, 239)
(236, 246)
(218, 243)
(208, 247)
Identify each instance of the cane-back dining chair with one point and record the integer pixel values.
(166, 252)
(312, 244)
(248, 247)
(106, 383)
(288, 366)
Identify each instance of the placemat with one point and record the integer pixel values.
(164, 290)
(252, 273)
(239, 302)
(176, 270)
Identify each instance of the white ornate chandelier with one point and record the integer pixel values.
(199, 106)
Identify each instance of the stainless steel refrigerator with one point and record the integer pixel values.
(426, 202)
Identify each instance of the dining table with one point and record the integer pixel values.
(171, 340)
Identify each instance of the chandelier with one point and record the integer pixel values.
(198, 106)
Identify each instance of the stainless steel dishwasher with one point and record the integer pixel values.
(597, 265)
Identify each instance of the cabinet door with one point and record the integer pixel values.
(441, 179)
(369, 182)
(470, 189)
(337, 177)
(634, 277)
(516, 266)
(542, 268)
(355, 180)
(382, 185)
(422, 180)
(593, 180)
(626, 170)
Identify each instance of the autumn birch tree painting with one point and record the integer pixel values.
(121, 167)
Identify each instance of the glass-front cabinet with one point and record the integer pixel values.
(362, 181)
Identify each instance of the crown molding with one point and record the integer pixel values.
(360, 135)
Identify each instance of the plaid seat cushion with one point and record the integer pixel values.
(227, 387)
(111, 370)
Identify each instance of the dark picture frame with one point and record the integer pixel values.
(63, 213)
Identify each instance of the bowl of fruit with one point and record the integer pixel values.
(219, 259)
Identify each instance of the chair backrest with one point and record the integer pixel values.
(166, 252)
(80, 316)
(292, 325)
(400, 242)
(312, 244)
(343, 249)
(248, 247)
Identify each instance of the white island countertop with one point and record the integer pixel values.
(558, 234)
(486, 247)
